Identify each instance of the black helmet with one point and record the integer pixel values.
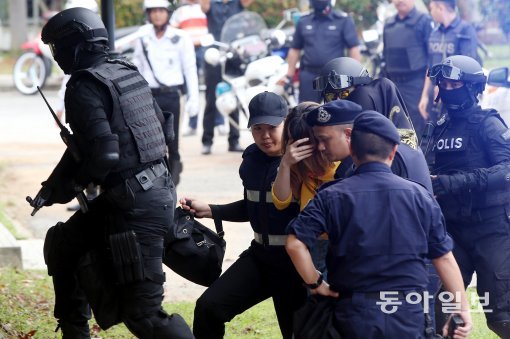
(460, 68)
(77, 22)
(341, 73)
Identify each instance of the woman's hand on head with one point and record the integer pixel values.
(297, 151)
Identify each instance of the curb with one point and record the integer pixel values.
(10, 250)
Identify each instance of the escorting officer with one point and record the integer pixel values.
(471, 167)
(452, 36)
(117, 142)
(405, 38)
(165, 56)
(322, 35)
(264, 270)
(346, 78)
(378, 251)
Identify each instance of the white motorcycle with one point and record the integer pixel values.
(247, 67)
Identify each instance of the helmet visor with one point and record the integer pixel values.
(336, 81)
(445, 71)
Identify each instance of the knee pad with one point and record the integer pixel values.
(501, 328)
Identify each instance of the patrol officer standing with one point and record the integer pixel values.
(117, 142)
(471, 166)
(452, 36)
(405, 38)
(218, 11)
(322, 35)
(361, 268)
(264, 270)
(165, 56)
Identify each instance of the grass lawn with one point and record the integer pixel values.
(26, 309)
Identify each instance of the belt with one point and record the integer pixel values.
(142, 180)
(311, 69)
(165, 89)
(274, 240)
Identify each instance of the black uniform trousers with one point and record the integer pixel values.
(306, 91)
(212, 76)
(119, 209)
(483, 245)
(259, 273)
(171, 102)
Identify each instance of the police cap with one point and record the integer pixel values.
(376, 123)
(267, 108)
(336, 112)
(452, 3)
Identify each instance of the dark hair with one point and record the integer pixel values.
(294, 128)
(365, 145)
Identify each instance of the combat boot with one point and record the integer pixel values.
(73, 330)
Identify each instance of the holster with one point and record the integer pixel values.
(127, 257)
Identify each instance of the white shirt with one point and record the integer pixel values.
(191, 19)
(172, 58)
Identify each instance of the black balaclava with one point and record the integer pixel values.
(319, 6)
(457, 99)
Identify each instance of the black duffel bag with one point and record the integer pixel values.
(194, 251)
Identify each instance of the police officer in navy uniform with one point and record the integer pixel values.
(264, 270)
(470, 169)
(451, 36)
(345, 78)
(405, 38)
(119, 144)
(375, 249)
(322, 35)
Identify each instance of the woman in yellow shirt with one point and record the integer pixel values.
(302, 168)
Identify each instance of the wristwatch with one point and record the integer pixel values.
(317, 283)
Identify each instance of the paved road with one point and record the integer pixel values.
(30, 147)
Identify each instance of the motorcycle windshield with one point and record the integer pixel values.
(242, 25)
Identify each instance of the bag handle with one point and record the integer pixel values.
(218, 223)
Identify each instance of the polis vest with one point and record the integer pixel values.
(404, 48)
(458, 148)
(134, 120)
(258, 172)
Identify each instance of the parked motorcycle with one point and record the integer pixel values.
(33, 67)
(247, 66)
(497, 92)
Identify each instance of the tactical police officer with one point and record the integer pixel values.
(119, 143)
(405, 38)
(346, 78)
(322, 35)
(362, 269)
(470, 167)
(452, 36)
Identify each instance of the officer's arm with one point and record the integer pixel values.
(235, 211)
(449, 273)
(355, 53)
(292, 59)
(205, 5)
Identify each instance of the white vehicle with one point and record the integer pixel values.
(246, 64)
(497, 93)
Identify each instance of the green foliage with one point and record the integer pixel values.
(497, 9)
(129, 13)
(364, 12)
(271, 10)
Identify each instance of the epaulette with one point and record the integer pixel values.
(122, 61)
(339, 14)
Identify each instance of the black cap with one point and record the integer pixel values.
(378, 124)
(267, 108)
(452, 3)
(336, 112)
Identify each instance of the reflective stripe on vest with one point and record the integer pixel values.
(254, 196)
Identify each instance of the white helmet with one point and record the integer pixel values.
(147, 4)
(88, 4)
(212, 56)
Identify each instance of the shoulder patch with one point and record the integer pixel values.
(506, 135)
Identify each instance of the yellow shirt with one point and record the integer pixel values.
(308, 189)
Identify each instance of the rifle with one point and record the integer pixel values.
(70, 142)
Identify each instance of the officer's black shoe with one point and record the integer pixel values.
(175, 170)
(73, 331)
(235, 148)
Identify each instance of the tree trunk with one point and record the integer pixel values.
(18, 23)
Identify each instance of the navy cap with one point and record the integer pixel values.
(452, 3)
(267, 108)
(376, 123)
(336, 112)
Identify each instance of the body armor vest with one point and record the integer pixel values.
(404, 48)
(258, 172)
(134, 119)
(458, 147)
